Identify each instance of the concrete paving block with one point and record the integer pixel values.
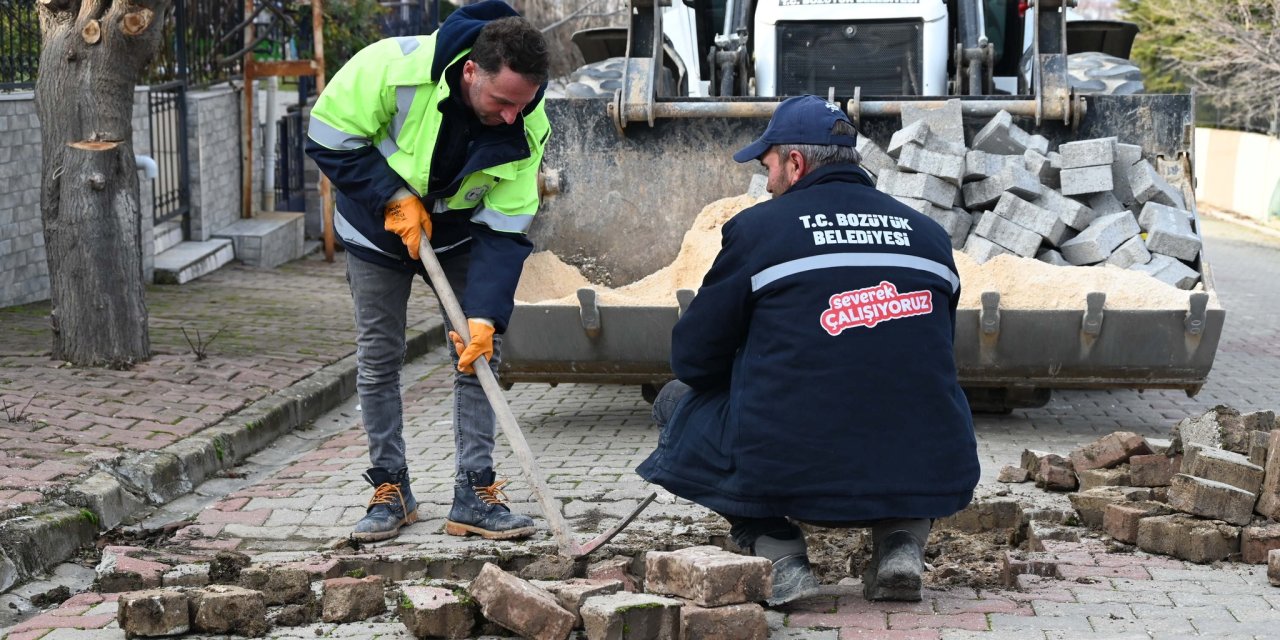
(279, 585)
(622, 616)
(982, 249)
(106, 497)
(1053, 257)
(985, 515)
(1210, 499)
(956, 222)
(1090, 503)
(1127, 155)
(946, 123)
(519, 606)
(1154, 470)
(435, 612)
(1132, 252)
(158, 612)
(1085, 180)
(886, 179)
(922, 186)
(1073, 213)
(1042, 221)
(874, 159)
(1187, 537)
(1256, 543)
(1269, 499)
(1001, 136)
(1104, 203)
(1153, 212)
(1010, 235)
(1095, 478)
(1148, 185)
(1042, 168)
(1110, 450)
(1259, 445)
(916, 158)
(573, 592)
(352, 599)
(1120, 519)
(228, 609)
(709, 576)
(1170, 271)
(1038, 143)
(1173, 238)
(917, 132)
(1087, 153)
(980, 165)
(1100, 238)
(1224, 466)
(732, 622)
(1013, 178)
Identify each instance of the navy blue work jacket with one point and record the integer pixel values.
(820, 353)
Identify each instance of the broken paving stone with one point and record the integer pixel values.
(1223, 466)
(433, 612)
(615, 568)
(228, 609)
(620, 616)
(519, 606)
(296, 615)
(154, 613)
(1120, 519)
(1094, 478)
(352, 599)
(1038, 532)
(731, 622)
(1019, 563)
(226, 565)
(1055, 473)
(1154, 470)
(1210, 499)
(1221, 427)
(571, 593)
(1091, 504)
(708, 576)
(1012, 474)
(1257, 542)
(279, 585)
(120, 571)
(1108, 451)
(1188, 537)
(1269, 497)
(985, 515)
(187, 575)
(549, 568)
(1259, 444)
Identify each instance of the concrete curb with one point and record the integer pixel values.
(32, 545)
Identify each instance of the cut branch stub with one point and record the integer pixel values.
(94, 145)
(91, 32)
(137, 21)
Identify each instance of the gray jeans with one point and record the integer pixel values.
(381, 297)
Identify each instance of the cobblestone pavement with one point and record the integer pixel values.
(296, 500)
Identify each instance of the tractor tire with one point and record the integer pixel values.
(1094, 72)
(601, 79)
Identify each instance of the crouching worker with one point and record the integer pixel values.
(816, 375)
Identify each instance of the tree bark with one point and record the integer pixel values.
(94, 53)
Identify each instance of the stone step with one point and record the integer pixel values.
(269, 239)
(190, 260)
(167, 236)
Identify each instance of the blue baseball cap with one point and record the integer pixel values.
(799, 120)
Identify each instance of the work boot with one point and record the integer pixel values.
(479, 507)
(792, 577)
(391, 507)
(895, 572)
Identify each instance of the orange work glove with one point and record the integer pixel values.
(481, 344)
(407, 218)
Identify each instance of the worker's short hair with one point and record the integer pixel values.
(819, 155)
(514, 43)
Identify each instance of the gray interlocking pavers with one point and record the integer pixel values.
(921, 186)
(1053, 257)
(1037, 219)
(1132, 252)
(1153, 212)
(1087, 153)
(946, 122)
(980, 165)
(1147, 185)
(1001, 136)
(1100, 238)
(982, 249)
(1013, 178)
(1073, 213)
(956, 222)
(1173, 237)
(916, 158)
(1104, 203)
(917, 132)
(1169, 271)
(1043, 168)
(874, 159)
(1127, 155)
(1008, 234)
(1086, 180)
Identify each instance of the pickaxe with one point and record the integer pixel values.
(551, 508)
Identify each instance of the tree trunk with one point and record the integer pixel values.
(94, 53)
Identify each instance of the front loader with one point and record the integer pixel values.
(625, 175)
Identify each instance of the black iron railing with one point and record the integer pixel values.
(290, 190)
(19, 44)
(171, 195)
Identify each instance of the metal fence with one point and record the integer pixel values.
(19, 44)
(290, 187)
(171, 194)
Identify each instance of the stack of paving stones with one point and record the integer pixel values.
(1088, 203)
(1211, 493)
